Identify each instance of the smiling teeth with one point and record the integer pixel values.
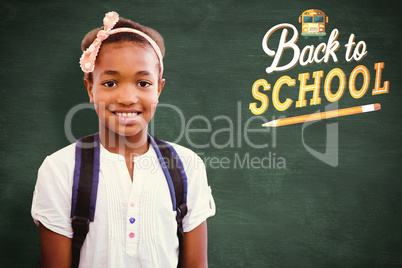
(127, 114)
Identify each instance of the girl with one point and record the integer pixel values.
(134, 223)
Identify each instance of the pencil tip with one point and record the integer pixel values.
(272, 123)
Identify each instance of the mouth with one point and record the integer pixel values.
(127, 117)
(126, 114)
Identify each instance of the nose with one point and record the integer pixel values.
(127, 95)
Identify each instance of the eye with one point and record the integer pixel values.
(144, 84)
(109, 84)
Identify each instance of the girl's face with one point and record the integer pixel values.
(125, 88)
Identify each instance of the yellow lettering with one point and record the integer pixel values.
(314, 87)
(377, 89)
(282, 106)
(327, 85)
(366, 81)
(260, 96)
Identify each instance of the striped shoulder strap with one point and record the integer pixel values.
(85, 188)
(176, 178)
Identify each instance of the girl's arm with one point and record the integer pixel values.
(195, 245)
(55, 249)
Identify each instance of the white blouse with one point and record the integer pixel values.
(135, 225)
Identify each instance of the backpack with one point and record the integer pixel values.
(85, 186)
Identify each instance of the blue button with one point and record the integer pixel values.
(132, 220)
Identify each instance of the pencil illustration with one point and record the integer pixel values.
(323, 115)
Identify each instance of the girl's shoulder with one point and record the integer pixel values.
(181, 150)
(191, 160)
(51, 203)
(61, 161)
(65, 154)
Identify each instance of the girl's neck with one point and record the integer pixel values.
(127, 146)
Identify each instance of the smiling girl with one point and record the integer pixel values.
(134, 224)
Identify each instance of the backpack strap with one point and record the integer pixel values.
(176, 178)
(85, 187)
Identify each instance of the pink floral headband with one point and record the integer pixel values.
(87, 60)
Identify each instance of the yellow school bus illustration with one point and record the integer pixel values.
(313, 23)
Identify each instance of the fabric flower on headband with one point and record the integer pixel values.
(88, 58)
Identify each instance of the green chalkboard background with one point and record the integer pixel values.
(301, 213)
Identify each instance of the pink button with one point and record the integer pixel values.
(132, 204)
(131, 235)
